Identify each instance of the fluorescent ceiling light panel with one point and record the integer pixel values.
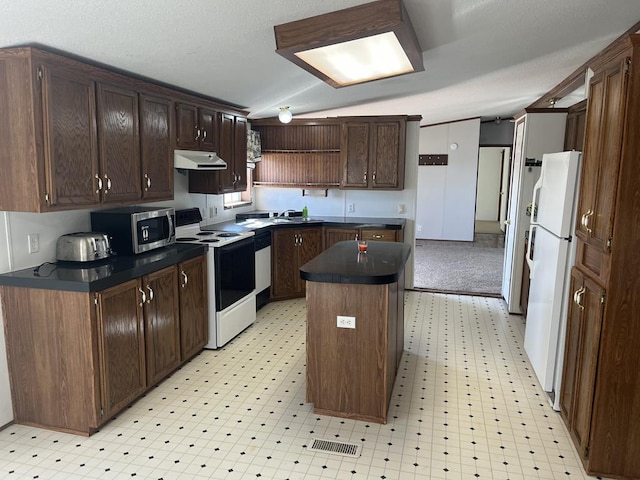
(361, 60)
(355, 45)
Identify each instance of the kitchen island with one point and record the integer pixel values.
(355, 328)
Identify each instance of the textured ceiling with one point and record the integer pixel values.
(482, 57)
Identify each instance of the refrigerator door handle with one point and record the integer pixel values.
(536, 195)
(529, 256)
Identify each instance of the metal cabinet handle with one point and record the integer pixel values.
(356, 236)
(578, 297)
(204, 134)
(378, 236)
(147, 181)
(185, 278)
(97, 177)
(586, 220)
(374, 177)
(301, 239)
(150, 294)
(144, 297)
(108, 180)
(365, 177)
(197, 133)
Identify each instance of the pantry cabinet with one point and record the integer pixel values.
(77, 358)
(599, 398)
(372, 153)
(292, 248)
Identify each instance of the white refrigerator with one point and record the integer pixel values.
(550, 260)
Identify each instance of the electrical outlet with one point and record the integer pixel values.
(213, 211)
(401, 208)
(33, 240)
(419, 228)
(351, 208)
(346, 322)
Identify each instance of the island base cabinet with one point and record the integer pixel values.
(351, 371)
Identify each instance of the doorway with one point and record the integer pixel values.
(492, 189)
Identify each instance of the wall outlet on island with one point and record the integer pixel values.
(351, 208)
(346, 322)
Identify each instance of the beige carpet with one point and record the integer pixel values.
(460, 267)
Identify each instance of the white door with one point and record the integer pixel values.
(512, 215)
(504, 186)
(545, 304)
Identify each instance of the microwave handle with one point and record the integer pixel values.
(171, 229)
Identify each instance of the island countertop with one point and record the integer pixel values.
(383, 263)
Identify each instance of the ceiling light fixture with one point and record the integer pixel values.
(355, 45)
(285, 115)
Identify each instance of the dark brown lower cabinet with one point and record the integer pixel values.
(76, 359)
(581, 357)
(194, 332)
(291, 248)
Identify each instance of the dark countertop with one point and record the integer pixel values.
(259, 223)
(383, 263)
(101, 274)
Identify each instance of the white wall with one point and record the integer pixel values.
(446, 195)
(489, 175)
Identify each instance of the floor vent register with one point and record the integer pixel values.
(338, 448)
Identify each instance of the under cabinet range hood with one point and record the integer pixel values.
(191, 160)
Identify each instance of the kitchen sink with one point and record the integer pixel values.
(280, 220)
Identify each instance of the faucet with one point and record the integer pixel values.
(284, 214)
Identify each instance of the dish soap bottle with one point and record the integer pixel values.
(305, 212)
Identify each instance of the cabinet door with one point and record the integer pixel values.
(387, 154)
(309, 246)
(581, 357)
(208, 129)
(601, 160)
(119, 143)
(378, 235)
(354, 152)
(162, 328)
(121, 346)
(284, 264)
(70, 138)
(187, 126)
(155, 148)
(194, 314)
(335, 235)
(240, 154)
(225, 151)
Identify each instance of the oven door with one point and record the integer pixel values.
(234, 272)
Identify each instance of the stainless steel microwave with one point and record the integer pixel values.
(135, 229)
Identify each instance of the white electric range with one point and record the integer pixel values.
(230, 278)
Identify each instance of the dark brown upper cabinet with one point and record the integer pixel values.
(196, 128)
(156, 147)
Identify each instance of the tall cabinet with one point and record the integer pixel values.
(600, 399)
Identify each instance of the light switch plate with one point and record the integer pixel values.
(346, 322)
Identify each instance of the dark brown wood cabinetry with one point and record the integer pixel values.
(162, 325)
(75, 358)
(232, 148)
(575, 129)
(334, 234)
(156, 147)
(292, 248)
(118, 144)
(194, 332)
(75, 135)
(599, 400)
(372, 153)
(196, 128)
(121, 349)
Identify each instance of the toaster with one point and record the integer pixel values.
(83, 247)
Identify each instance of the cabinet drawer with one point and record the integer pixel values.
(378, 235)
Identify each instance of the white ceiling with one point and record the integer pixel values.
(482, 57)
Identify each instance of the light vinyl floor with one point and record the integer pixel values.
(465, 405)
